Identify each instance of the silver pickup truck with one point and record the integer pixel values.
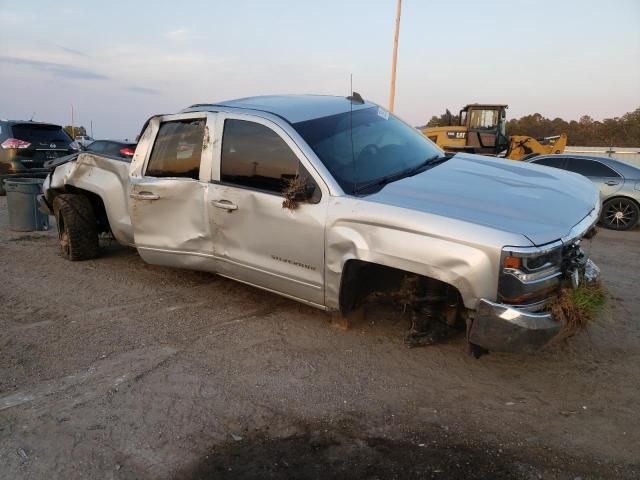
(333, 201)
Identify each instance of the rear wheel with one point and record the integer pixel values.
(620, 214)
(77, 227)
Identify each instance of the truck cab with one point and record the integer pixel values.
(481, 129)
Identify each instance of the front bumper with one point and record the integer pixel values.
(506, 328)
(501, 327)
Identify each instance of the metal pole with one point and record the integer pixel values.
(392, 95)
(91, 128)
(73, 130)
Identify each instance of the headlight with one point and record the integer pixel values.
(529, 275)
(531, 266)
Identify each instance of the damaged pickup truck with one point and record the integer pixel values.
(332, 201)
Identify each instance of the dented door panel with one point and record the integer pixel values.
(168, 215)
(172, 228)
(264, 244)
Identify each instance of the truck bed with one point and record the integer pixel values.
(105, 176)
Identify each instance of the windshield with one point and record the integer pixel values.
(487, 119)
(382, 145)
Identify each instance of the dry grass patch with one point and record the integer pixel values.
(294, 186)
(575, 308)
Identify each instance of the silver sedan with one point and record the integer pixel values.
(618, 182)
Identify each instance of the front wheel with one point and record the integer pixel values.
(77, 227)
(620, 214)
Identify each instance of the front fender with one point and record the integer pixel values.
(469, 269)
(462, 254)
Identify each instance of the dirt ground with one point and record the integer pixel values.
(116, 369)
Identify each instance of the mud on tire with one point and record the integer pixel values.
(77, 227)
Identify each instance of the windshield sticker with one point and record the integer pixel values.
(383, 113)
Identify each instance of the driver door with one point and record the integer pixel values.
(261, 240)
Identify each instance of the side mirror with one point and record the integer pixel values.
(305, 193)
(299, 191)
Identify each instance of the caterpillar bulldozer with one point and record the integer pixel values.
(482, 129)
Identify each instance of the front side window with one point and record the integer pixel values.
(365, 145)
(590, 168)
(254, 156)
(463, 118)
(177, 150)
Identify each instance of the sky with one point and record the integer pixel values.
(120, 62)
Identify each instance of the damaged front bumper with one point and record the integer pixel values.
(500, 327)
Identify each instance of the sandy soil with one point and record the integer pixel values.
(116, 369)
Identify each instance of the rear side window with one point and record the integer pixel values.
(177, 150)
(97, 147)
(112, 148)
(254, 156)
(34, 133)
(590, 168)
(550, 162)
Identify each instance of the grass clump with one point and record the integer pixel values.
(293, 187)
(575, 308)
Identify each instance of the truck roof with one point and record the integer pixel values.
(293, 108)
(487, 105)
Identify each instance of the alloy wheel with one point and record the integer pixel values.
(620, 214)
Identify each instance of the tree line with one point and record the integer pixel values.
(80, 130)
(621, 131)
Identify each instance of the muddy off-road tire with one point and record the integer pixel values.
(77, 227)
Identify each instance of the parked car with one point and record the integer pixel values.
(618, 182)
(118, 149)
(328, 200)
(84, 141)
(25, 146)
(114, 148)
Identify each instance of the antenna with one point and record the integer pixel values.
(32, 115)
(353, 155)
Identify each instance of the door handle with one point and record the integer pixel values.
(224, 204)
(144, 196)
(611, 183)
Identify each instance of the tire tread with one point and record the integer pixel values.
(75, 214)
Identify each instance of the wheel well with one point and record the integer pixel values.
(361, 279)
(623, 197)
(96, 203)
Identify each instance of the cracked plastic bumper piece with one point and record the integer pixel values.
(505, 328)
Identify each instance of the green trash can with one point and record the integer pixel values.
(22, 202)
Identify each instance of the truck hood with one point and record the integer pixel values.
(541, 203)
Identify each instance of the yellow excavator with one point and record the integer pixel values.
(482, 129)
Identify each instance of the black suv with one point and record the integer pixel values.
(26, 145)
